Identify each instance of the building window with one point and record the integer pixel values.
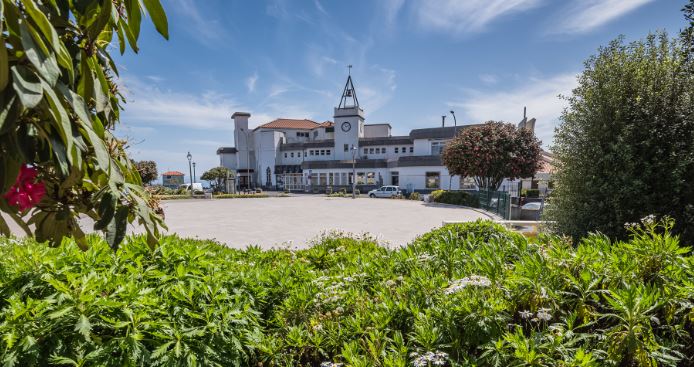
(396, 150)
(437, 147)
(346, 147)
(291, 154)
(327, 152)
(315, 134)
(366, 151)
(322, 152)
(411, 149)
(371, 150)
(433, 180)
(404, 150)
(331, 178)
(371, 178)
(285, 155)
(395, 178)
(304, 153)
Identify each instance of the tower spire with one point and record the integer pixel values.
(349, 94)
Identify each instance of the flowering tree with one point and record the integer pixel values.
(491, 152)
(147, 170)
(59, 103)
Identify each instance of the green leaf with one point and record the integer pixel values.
(83, 326)
(158, 17)
(49, 32)
(134, 16)
(106, 211)
(36, 53)
(27, 85)
(115, 231)
(63, 120)
(9, 110)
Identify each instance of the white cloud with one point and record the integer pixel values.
(148, 104)
(319, 6)
(250, 82)
(586, 15)
(467, 16)
(539, 95)
(202, 27)
(392, 9)
(489, 78)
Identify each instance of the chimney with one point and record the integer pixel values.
(443, 121)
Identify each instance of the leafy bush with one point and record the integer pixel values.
(414, 196)
(464, 294)
(60, 103)
(455, 198)
(531, 193)
(624, 147)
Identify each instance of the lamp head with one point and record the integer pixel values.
(452, 112)
(189, 156)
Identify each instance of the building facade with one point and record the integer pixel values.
(304, 155)
(172, 179)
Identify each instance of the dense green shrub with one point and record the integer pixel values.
(456, 198)
(466, 294)
(531, 193)
(414, 196)
(624, 148)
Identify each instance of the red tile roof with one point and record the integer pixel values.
(327, 124)
(282, 123)
(173, 173)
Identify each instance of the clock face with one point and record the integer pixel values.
(346, 126)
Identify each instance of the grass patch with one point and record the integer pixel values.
(465, 294)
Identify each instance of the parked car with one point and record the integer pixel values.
(385, 192)
(532, 206)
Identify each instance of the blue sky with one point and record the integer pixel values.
(413, 62)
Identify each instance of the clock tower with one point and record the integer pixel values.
(349, 122)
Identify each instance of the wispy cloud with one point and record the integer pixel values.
(250, 82)
(585, 15)
(540, 95)
(469, 16)
(320, 7)
(150, 105)
(391, 10)
(489, 78)
(203, 28)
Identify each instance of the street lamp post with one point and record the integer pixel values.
(455, 132)
(194, 175)
(354, 172)
(190, 171)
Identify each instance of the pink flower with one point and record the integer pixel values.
(26, 193)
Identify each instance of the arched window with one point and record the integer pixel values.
(268, 178)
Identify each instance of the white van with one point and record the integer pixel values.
(197, 186)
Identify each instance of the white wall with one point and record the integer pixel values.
(415, 177)
(376, 131)
(228, 160)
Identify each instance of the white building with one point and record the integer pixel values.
(304, 155)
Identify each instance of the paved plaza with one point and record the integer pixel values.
(296, 220)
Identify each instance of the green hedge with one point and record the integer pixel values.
(467, 294)
(456, 198)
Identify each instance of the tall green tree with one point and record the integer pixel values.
(59, 103)
(492, 152)
(625, 147)
(147, 170)
(218, 175)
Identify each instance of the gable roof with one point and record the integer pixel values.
(282, 123)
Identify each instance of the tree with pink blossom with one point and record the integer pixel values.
(491, 152)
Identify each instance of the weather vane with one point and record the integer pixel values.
(349, 70)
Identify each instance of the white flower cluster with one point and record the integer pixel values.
(542, 315)
(472, 280)
(331, 364)
(648, 220)
(425, 258)
(437, 358)
(333, 292)
(393, 282)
